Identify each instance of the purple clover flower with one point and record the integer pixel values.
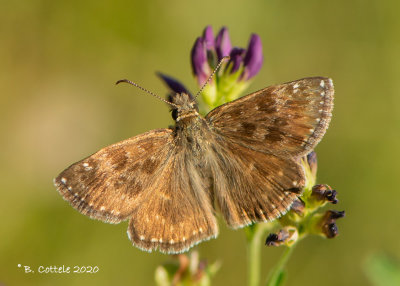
(250, 60)
(200, 66)
(233, 76)
(236, 60)
(208, 36)
(223, 43)
(173, 84)
(254, 57)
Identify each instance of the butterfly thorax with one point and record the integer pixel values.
(191, 130)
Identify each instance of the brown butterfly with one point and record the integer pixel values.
(243, 158)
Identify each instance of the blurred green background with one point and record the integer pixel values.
(59, 62)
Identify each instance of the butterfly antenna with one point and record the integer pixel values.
(226, 58)
(148, 91)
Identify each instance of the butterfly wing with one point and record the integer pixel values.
(107, 184)
(252, 186)
(145, 178)
(177, 213)
(259, 140)
(288, 119)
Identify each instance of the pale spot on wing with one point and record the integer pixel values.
(69, 188)
(87, 167)
(200, 230)
(183, 239)
(323, 93)
(295, 87)
(154, 240)
(63, 180)
(322, 84)
(141, 237)
(160, 240)
(280, 173)
(295, 183)
(171, 241)
(102, 208)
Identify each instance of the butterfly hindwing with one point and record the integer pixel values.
(252, 186)
(176, 213)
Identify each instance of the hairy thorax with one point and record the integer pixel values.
(192, 133)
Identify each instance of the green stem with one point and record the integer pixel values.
(275, 276)
(255, 236)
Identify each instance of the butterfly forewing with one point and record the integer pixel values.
(108, 184)
(289, 119)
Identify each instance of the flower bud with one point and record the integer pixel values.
(253, 59)
(323, 194)
(186, 270)
(173, 84)
(223, 44)
(328, 223)
(298, 206)
(236, 59)
(288, 235)
(208, 36)
(200, 66)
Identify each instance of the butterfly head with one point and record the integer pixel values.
(186, 106)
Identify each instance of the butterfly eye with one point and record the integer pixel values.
(174, 114)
